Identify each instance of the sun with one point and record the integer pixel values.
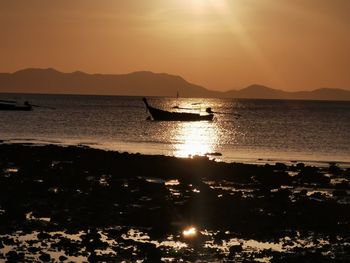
(199, 5)
(205, 6)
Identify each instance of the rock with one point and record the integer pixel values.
(151, 252)
(312, 175)
(334, 169)
(13, 255)
(300, 166)
(45, 257)
(42, 236)
(62, 258)
(33, 250)
(339, 193)
(92, 257)
(235, 249)
(280, 166)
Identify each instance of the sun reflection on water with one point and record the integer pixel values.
(189, 232)
(195, 138)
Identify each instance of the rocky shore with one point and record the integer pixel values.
(81, 204)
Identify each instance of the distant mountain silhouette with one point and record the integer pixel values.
(142, 83)
(257, 91)
(262, 92)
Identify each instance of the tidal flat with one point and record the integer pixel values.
(80, 204)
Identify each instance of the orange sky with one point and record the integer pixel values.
(220, 44)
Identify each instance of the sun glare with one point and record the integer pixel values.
(195, 138)
(189, 232)
(205, 6)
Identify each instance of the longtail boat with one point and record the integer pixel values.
(162, 115)
(13, 106)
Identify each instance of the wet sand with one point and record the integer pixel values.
(81, 204)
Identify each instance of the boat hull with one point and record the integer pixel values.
(8, 107)
(162, 115)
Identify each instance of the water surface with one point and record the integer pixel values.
(243, 130)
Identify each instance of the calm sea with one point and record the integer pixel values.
(243, 130)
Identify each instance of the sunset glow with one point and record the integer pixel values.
(206, 6)
(218, 44)
(174, 130)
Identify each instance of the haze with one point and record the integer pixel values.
(284, 44)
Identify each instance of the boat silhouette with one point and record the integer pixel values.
(9, 105)
(162, 115)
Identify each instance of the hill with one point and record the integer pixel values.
(142, 83)
(263, 92)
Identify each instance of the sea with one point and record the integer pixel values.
(243, 130)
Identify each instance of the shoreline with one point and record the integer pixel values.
(212, 156)
(77, 203)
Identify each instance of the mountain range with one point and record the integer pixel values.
(142, 83)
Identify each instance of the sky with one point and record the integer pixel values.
(219, 44)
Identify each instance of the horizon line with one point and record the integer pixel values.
(174, 75)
